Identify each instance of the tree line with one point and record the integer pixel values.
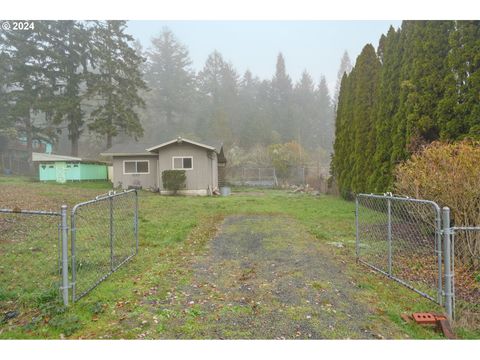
(421, 84)
(88, 84)
(217, 103)
(65, 77)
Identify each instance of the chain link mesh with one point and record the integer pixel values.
(400, 238)
(251, 176)
(466, 275)
(30, 262)
(104, 237)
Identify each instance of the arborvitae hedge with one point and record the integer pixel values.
(421, 85)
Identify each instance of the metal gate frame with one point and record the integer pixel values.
(443, 231)
(106, 197)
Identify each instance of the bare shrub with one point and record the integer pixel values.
(449, 174)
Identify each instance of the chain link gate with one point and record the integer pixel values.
(104, 237)
(401, 238)
(413, 242)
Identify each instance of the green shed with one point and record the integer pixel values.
(61, 168)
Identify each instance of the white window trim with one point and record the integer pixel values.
(181, 157)
(136, 173)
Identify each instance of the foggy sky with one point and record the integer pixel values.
(313, 45)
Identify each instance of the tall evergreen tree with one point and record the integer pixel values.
(389, 53)
(253, 128)
(26, 83)
(421, 85)
(343, 156)
(171, 79)
(324, 125)
(459, 110)
(68, 61)
(218, 83)
(304, 111)
(115, 82)
(345, 68)
(425, 48)
(281, 101)
(367, 68)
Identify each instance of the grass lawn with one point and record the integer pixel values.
(174, 231)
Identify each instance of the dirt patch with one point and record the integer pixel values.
(265, 277)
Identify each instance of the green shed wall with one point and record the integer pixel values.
(47, 172)
(74, 171)
(93, 172)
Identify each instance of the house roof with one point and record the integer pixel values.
(41, 157)
(180, 140)
(137, 148)
(53, 157)
(129, 149)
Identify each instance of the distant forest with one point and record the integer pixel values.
(421, 84)
(88, 85)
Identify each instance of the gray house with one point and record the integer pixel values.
(141, 165)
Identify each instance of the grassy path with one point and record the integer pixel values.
(265, 277)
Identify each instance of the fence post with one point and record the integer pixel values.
(438, 241)
(73, 231)
(357, 237)
(389, 235)
(111, 232)
(136, 222)
(446, 262)
(63, 214)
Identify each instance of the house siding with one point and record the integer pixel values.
(204, 172)
(126, 180)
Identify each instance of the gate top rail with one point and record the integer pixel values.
(29, 212)
(398, 198)
(466, 228)
(103, 198)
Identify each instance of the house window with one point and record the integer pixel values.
(182, 163)
(136, 167)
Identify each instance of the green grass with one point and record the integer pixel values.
(175, 229)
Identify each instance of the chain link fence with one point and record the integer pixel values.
(30, 266)
(104, 237)
(35, 268)
(401, 238)
(465, 248)
(251, 176)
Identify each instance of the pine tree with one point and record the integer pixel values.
(25, 84)
(304, 112)
(115, 82)
(253, 129)
(68, 61)
(218, 83)
(171, 79)
(281, 101)
(323, 126)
